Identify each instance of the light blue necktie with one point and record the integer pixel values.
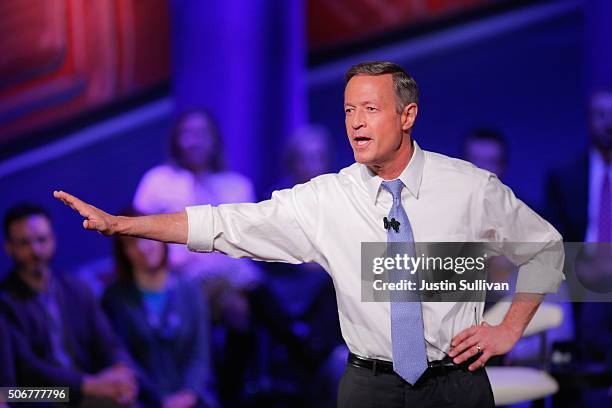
(407, 338)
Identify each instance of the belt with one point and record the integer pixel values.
(382, 366)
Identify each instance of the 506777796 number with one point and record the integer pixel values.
(33, 394)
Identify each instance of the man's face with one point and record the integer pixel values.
(31, 244)
(601, 120)
(373, 125)
(195, 141)
(486, 154)
(145, 255)
(311, 158)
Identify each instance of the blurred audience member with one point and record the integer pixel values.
(487, 149)
(195, 175)
(163, 322)
(239, 303)
(580, 206)
(307, 155)
(62, 336)
(580, 202)
(579, 191)
(306, 291)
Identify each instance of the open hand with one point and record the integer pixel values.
(95, 219)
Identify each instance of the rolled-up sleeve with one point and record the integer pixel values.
(525, 238)
(200, 228)
(283, 228)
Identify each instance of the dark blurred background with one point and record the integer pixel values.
(89, 91)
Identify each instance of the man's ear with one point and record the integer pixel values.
(409, 115)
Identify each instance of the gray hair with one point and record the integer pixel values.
(406, 89)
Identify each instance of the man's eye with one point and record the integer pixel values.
(22, 242)
(348, 110)
(371, 109)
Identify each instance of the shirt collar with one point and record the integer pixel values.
(411, 176)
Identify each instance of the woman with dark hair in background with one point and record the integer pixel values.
(195, 174)
(241, 303)
(163, 322)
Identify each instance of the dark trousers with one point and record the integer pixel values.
(437, 388)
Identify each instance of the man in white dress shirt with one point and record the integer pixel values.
(326, 220)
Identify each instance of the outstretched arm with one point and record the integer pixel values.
(170, 228)
(282, 229)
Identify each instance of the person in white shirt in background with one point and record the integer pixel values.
(326, 220)
(235, 288)
(195, 174)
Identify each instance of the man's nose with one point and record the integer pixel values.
(36, 248)
(358, 120)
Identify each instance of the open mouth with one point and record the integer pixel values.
(362, 141)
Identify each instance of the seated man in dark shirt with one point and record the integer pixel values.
(62, 337)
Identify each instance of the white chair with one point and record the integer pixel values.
(512, 385)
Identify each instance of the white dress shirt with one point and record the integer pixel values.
(326, 219)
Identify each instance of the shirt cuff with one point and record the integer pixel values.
(200, 228)
(536, 278)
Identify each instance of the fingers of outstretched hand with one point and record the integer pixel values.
(84, 209)
(69, 199)
(64, 196)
